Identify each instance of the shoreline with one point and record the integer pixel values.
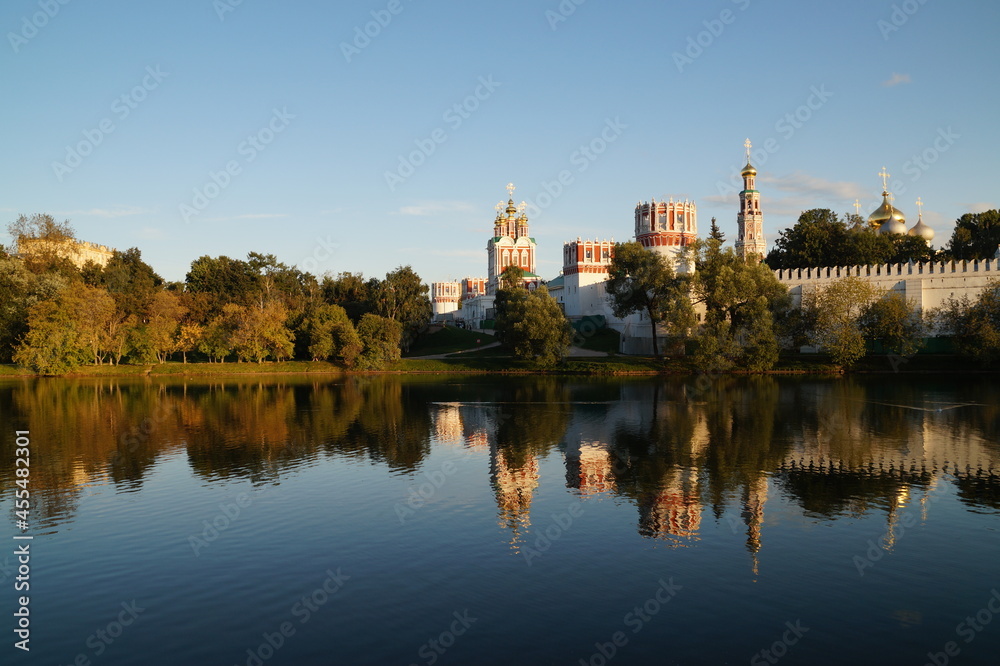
(616, 366)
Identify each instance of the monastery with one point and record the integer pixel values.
(667, 227)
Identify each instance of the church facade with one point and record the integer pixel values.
(667, 228)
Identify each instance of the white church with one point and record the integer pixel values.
(667, 227)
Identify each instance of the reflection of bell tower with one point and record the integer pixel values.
(588, 468)
(514, 488)
(674, 512)
(754, 498)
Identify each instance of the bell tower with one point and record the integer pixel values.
(750, 221)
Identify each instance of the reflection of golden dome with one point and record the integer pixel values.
(922, 230)
(885, 213)
(748, 170)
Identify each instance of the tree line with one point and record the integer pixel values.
(55, 317)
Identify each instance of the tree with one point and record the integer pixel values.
(331, 334)
(95, 319)
(403, 297)
(508, 302)
(165, 316)
(44, 243)
(222, 280)
(642, 281)
(716, 233)
(975, 325)
(188, 338)
(820, 238)
(893, 322)
(52, 345)
(837, 312)
(536, 328)
(19, 290)
(261, 333)
(380, 338)
(743, 300)
(349, 291)
(130, 281)
(976, 236)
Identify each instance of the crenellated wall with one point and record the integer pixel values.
(928, 285)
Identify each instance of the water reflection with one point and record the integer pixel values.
(680, 451)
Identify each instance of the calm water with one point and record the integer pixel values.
(507, 521)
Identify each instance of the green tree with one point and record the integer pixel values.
(53, 345)
(130, 281)
(976, 236)
(536, 328)
(895, 323)
(403, 297)
(821, 238)
(643, 281)
(508, 301)
(19, 290)
(222, 281)
(974, 324)
(217, 338)
(96, 316)
(837, 312)
(743, 300)
(349, 291)
(380, 338)
(332, 335)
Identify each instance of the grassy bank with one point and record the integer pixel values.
(497, 360)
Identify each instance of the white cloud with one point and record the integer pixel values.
(248, 216)
(896, 79)
(980, 206)
(103, 212)
(803, 184)
(428, 208)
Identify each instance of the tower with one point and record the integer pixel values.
(510, 245)
(750, 221)
(667, 227)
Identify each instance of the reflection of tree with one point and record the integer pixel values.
(530, 420)
(656, 462)
(393, 424)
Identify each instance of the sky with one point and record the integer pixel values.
(365, 135)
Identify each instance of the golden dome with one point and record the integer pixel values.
(885, 213)
(748, 170)
(922, 230)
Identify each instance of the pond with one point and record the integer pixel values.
(503, 520)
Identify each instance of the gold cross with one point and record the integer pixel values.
(857, 207)
(748, 147)
(885, 179)
(510, 189)
(920, 207)
(523, 207)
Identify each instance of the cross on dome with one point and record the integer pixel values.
(920, 207)
(885, 179)
(748, 147)
(510, 189)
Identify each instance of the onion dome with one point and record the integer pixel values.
(887, 213)
(922, 230)
(748, 170)
(893, 226)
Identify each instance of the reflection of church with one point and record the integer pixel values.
(833, 470)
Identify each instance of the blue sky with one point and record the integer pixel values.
(210, 127)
